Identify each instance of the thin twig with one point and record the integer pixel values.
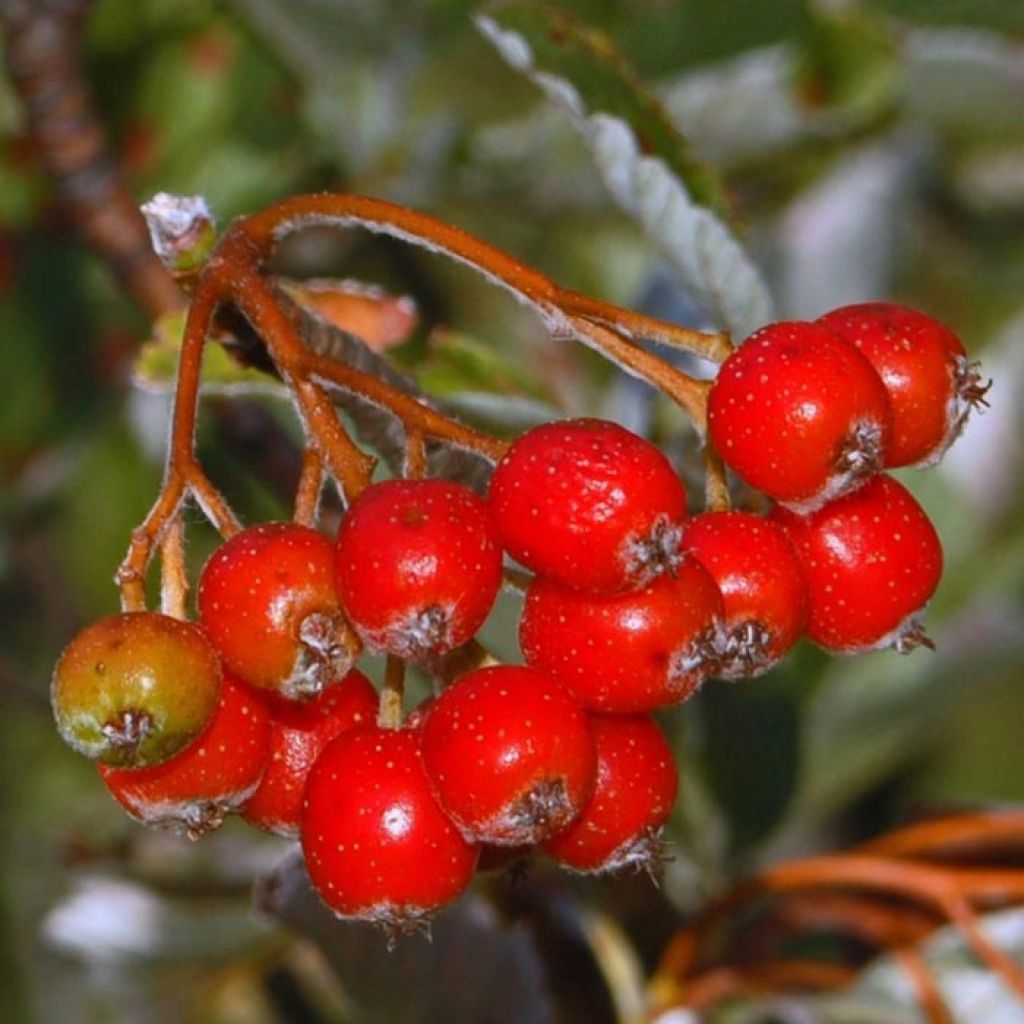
(311, 484)
(392, 694)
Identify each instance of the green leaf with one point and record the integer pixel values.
(646, 164)
(851, 62)
(751, 752)
(455, 363)
(157, 364)
(1001, 15)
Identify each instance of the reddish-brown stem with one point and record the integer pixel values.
(392, 694)
(415, 467)
(350, 465)
(173, 577)
(457, 663)
(688, 393)
(716, 486)
(131, 574)
(234, 275)
(309, 489)
(268, 227)
(413, 413)
(715, 347)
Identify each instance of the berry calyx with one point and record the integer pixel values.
(299, 732)
(134, 689)
(418, 566)
(932, 386)
(510, 753)
(589, 504)
(266, 598)
(196, 789)
(872, 561)
(627, 652)
(635, 788)
(761, 581)
(377, 844)
(799, 414)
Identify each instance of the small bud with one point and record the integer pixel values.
(182, 230)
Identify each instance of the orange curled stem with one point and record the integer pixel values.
(722, 983)
(869, 920)
(954, 835)
(926, 884)
(929, 998)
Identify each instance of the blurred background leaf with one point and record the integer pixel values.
(865, 150)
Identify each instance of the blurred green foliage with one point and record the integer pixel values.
(869, 150)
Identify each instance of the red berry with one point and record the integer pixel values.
(134, 689)
(589, 504)
(299, 732)
(872, 560)
(932, 387)
(510, 753)
(626, 652)
(267, 600)
(799, 414)
(762, 585)
(215, 775)
(418, 566)
(377, 844)
(634, 792)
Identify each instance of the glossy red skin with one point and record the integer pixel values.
(377, 844)
(916, 357)
(872, 560)
(785, 403)
(634, 792)
(412, 547)
(760, 578)
(299, 732)
(572, 499)
(501, 737)
(214, 775)
(255, 591)
(620, 652)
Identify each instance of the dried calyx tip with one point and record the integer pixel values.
(659, 552)
(128, 730)
(328, 650)
(743, 650)
(861, 452)
(182, 230)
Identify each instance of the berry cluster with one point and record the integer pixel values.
(259, 710)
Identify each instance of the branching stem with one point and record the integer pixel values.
(235, 277)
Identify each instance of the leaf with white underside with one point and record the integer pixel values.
(645, 162)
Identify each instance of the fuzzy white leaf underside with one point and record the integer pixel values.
(695, 242)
